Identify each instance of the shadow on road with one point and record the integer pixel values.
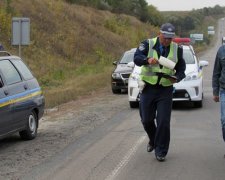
(186, 106)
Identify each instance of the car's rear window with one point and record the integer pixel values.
(188, 56)
(25, 72)
(127, 57)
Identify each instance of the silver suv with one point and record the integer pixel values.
(121, 73)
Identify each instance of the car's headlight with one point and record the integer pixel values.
(191, 76)
(116, 76)
(134, 76)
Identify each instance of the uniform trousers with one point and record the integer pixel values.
(155, 111)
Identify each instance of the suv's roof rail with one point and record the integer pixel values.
(4, 53)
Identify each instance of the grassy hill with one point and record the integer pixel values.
(72, 47)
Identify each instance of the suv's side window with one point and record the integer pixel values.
(22, 69)
(10, 73)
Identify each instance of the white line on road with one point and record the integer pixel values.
(126, 159)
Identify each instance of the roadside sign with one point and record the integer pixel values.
(20, 32)
(211, 32)
(210, 28)
(196, 37)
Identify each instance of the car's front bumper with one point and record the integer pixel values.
(188, 90)
(183, 91)
(119, 84)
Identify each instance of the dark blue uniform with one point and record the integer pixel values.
(156, 100)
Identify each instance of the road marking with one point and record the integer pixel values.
(126, 159)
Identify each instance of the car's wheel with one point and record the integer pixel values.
(134, 104)
(198, 104)
(116, 91)
(31, 130)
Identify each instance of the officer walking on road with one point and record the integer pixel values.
(218, 84)
(156, 97)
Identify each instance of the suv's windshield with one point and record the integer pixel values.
(188, 56)
(127, 57)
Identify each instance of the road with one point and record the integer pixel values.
(103, 139)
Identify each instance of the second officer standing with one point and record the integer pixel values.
(156, 97)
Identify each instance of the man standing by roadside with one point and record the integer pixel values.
(156, 97)
(218, 84)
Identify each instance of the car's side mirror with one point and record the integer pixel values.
(130, 64)
(115, 63)
(203, 63)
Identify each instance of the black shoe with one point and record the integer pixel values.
(160, 158)
(150, 148)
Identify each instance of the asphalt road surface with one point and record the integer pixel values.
(115, 147)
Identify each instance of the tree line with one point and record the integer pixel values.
(185, 21)
(137, 8)
(193, 20)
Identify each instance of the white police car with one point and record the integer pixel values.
(21, 99)
(189, 89)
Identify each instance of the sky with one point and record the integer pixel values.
(184, 5)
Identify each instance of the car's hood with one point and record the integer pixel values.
(122, 68)
(190, 68)
(137, 70)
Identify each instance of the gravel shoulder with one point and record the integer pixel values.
(58, 128)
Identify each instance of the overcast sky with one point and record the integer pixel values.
(181, 5)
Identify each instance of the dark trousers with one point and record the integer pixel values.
(155, 112)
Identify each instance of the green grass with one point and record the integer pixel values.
(72, 47)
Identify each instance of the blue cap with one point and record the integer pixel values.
(168, 30)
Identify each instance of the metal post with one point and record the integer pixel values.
(20, 29)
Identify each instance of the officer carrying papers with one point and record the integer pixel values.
(166, 62)
(169, 64)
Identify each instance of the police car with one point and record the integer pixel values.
(21, 98)
(189, 89)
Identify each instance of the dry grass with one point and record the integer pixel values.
(71, 44)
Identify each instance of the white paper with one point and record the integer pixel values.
(166, 62)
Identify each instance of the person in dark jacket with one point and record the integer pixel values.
(156, 97)
(218, 84)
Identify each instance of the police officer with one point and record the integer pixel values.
(156, 97)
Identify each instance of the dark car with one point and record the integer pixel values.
(21, 99)
(121, 73)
